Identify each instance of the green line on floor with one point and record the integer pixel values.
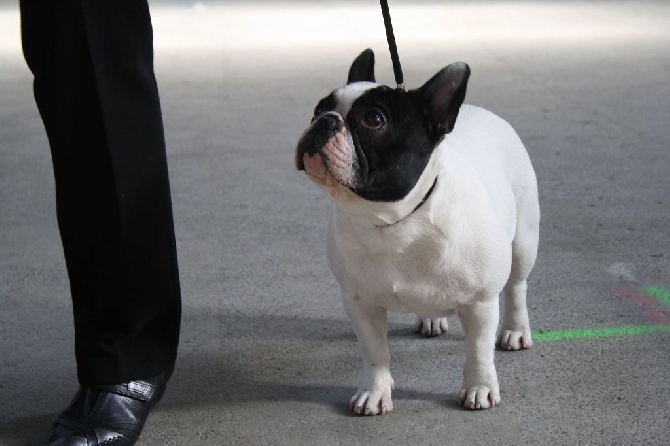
(662, 295)
(558, 335)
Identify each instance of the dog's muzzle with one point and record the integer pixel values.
(322, 130)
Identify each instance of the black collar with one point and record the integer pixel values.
(425, 198)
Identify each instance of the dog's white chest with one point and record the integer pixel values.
(403, 281)
(427, 274)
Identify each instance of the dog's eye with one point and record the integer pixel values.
(373, 120)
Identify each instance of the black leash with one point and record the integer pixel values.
(397, 72)
(390, 38)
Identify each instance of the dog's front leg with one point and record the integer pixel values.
(373, 396)
(480, 382)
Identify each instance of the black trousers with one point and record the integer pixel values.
(96, 93)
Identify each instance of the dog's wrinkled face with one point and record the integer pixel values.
(327, 150)
(376, 141)
(364, 136)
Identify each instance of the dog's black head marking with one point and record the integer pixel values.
(392, 133)
(395, 131)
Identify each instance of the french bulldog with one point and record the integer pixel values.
(435, 211)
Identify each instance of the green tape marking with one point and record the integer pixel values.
(659, 293)
(558, 335)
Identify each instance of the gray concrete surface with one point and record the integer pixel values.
(267, 354)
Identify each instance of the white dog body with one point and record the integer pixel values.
(454, 251)
(457, 246)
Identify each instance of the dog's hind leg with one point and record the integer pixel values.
(515, 331)
(431, 326)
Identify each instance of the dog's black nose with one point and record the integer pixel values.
(329, 123)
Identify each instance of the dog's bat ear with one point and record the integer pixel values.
(363, 68)
(442, 97)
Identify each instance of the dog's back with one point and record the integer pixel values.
(501, 163)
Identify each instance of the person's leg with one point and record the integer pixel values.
(97, 95)
(96, 92)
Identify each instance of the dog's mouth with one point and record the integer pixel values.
(309, 156)
(328, 157)
(307, 147)
(299, 162)
(326, 129)
(301, 154)
(317, 167)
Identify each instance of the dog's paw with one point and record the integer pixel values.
(478, 397)
(514, 340)
(373, 401)
(430, 327)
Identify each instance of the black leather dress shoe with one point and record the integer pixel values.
(107, 415)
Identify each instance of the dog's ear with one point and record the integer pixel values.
(442, 97)
(363, 68)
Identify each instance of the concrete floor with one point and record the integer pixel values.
(267, 354)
